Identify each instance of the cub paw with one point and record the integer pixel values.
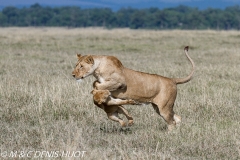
(130, 122)
(123, 124)
(130, 101)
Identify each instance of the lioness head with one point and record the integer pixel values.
(100, 96)
(84, 67)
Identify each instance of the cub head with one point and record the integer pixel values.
(100, 96)
(84, 67)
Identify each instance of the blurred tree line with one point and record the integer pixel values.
(181, 17)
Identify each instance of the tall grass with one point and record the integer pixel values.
(42, 108)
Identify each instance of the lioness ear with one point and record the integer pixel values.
(79, 56)
(89, 60)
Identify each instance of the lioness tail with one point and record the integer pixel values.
(188, 78)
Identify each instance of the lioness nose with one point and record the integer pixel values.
(73, 75)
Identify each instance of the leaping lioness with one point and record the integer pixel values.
(127, 84)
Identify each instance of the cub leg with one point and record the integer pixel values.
(114, 101)
(112, 106)
(114, 116)
(112, 113)
(122, 110)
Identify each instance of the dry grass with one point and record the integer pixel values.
(43, 109)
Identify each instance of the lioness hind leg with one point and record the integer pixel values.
(165, 109)
(122, 110)
(168, 115)
(177, 118)
(114, 116)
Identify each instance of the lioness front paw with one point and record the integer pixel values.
(94, 84)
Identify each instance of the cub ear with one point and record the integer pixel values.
(93, 92)
(89, 60)
(108, 92)
(79, 56)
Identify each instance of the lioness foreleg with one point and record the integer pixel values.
(114, 101)
(104, 96)
(108, 85)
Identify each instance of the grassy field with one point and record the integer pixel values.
(45, 112)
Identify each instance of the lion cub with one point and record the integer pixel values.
(112, 106)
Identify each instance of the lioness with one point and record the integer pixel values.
(112, 106)
(124, 83)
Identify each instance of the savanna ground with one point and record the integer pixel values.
(42, 108)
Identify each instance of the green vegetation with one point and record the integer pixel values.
(180, 17)
(42, 108)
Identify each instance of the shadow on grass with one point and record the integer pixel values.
(113, 129)
(106, 128)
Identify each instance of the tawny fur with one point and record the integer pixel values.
(112, 106)
(124, 83)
